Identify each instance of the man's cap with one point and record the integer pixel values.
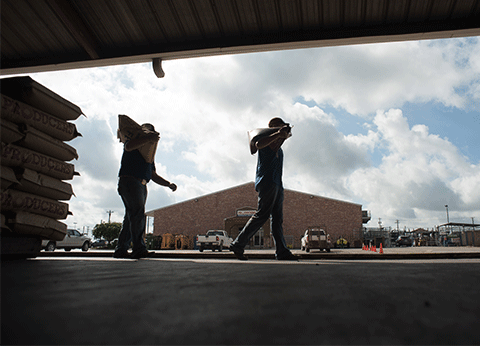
(274, 121)
(148, 126)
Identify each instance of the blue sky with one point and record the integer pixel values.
(391, 126)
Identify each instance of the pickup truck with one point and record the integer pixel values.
(214, 240)
(316, 238)
(73, 240)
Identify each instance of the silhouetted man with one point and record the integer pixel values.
(268, 184)
(135, 173)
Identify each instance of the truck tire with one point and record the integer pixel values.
(307, 249)
(220, 248)
(85, 246)
(201, 249)
(50, 246)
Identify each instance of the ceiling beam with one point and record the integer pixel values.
(268, 42)
(75, 26)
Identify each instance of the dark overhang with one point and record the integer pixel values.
(46, 35)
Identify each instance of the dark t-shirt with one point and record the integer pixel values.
(134, 165)
(269, 167)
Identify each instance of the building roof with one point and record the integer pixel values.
(151, 212)
(48, 35)
(460, 224)
(252, 184)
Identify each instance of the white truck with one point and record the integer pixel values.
(73, 240)
(214, 239)
(316, 238)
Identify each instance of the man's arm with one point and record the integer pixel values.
(161, 181)
(282, 133)
(136, 143)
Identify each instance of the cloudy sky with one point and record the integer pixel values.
(393, 126)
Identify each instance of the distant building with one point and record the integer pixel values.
(230, 210)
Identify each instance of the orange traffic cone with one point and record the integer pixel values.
(381, 248)
(374, 249)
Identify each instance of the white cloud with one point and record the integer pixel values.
(359, 79)
(420, 172)
(320, 154)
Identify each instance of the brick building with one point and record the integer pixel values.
(230, 209)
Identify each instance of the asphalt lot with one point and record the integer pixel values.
(421, 252)
(95, 299)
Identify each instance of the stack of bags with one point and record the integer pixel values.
(34, 164)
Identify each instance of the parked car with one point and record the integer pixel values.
(99, 244)
(404, 240)
(316, 238)
(453, 242)
(73, 240)
(214, 240)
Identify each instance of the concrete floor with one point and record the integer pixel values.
(98, 300)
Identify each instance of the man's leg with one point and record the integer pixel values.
(266, 199)
(277, 226)
(134, 195)
(125, 236)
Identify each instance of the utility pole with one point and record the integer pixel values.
(109, 212)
